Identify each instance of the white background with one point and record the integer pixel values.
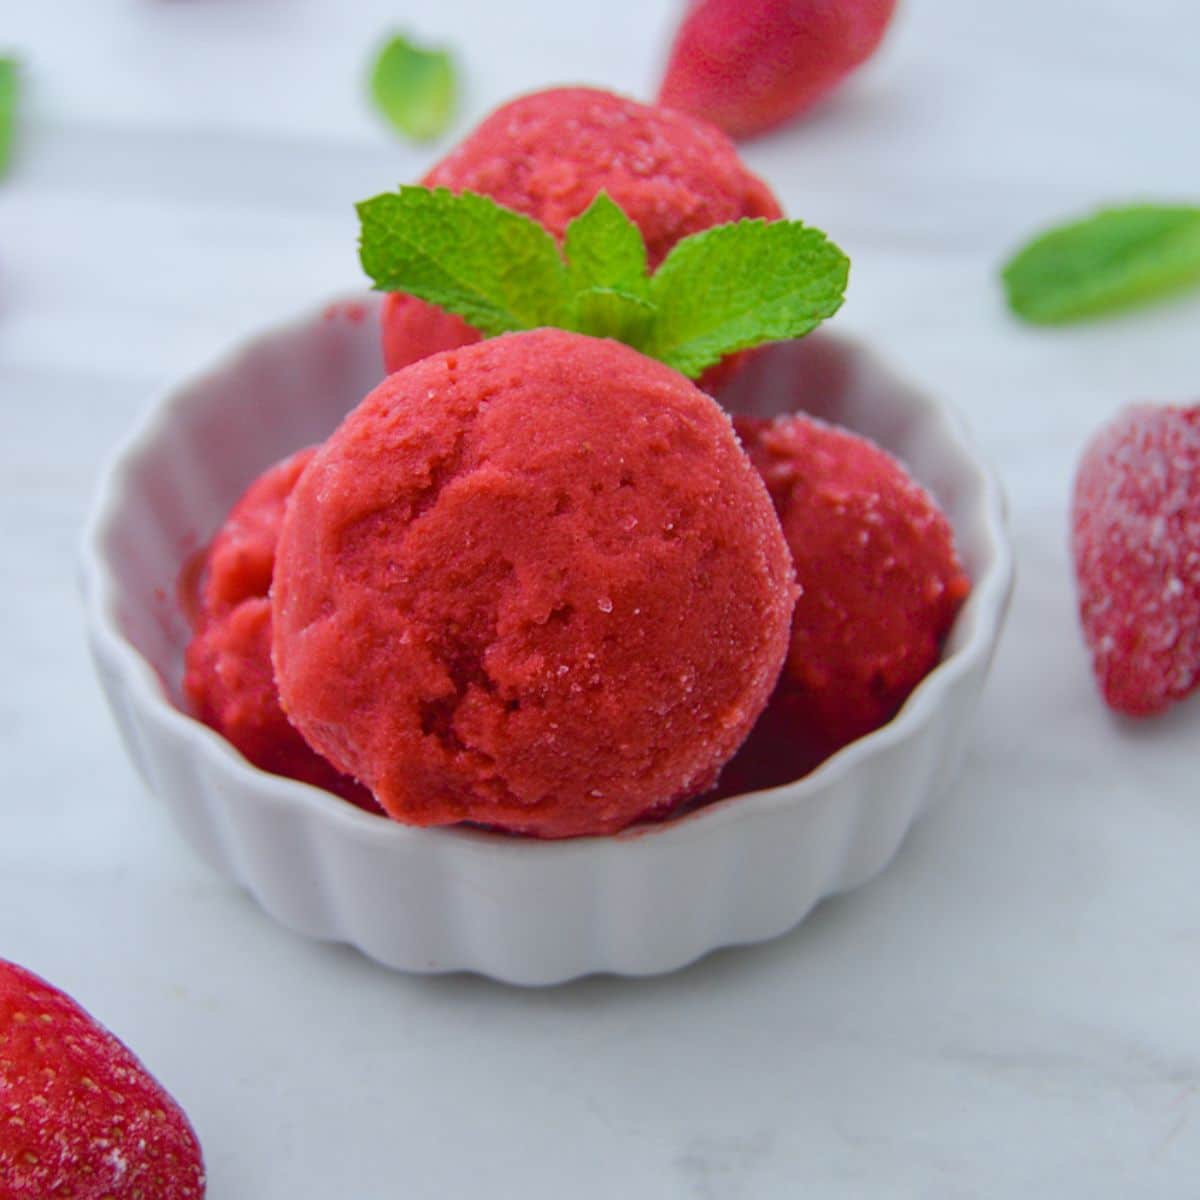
(1010, 1011)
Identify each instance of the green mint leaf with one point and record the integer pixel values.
(414, 88)
(8, 110)
(720, 291)
(736, 286)
(605, 250)
(606, 269)
(613, 313)
(495, 268)
(1117, 258)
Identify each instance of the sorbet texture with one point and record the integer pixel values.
(880, 583)
(228, 677)
(533, 583)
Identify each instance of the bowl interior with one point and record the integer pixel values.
(176, 479)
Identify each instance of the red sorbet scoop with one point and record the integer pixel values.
(548, 155)
(880, 583)
(533, 583)
(228, 677)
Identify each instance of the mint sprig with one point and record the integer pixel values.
(1114, 259)
(726, 289)
(414, 88)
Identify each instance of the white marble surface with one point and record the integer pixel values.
(1011, 1010)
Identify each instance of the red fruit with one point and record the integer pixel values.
(748, 65)
(80, 1117)
(880, 583)
(1135, 526)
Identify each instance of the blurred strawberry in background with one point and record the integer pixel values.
(749, 65)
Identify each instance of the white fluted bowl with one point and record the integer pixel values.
(647, 901)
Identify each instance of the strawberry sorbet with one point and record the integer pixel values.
(228, 678)
(880, 584)
(548, 155)
(533, 583)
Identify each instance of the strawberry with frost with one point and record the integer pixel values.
(1135, 537)
(80, 1116)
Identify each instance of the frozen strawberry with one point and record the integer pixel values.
(748, 65)
(1135, 526)
(880, 585)
(80, 1116)
(229, 680)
